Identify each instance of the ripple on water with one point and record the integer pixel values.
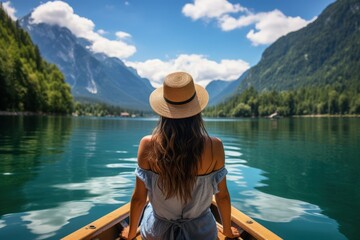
(235, 161)
(121, 151)
(120, 165)
(128, 159)
(7, 173)
(232, 153)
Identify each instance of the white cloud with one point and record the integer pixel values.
(269, 26)
(202, 69)
(61, 14)
(9, 10)
(122, 35)
(210, 9)
(102, 32)
(113, 48)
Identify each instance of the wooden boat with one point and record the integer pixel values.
(110, 226)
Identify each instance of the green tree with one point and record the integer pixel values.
(27, 82)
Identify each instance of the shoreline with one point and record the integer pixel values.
(327, 116)
(27, 113)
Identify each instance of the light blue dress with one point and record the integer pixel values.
(171, 219)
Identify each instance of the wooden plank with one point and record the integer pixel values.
(109, 227)
(249, 225)
(221, 236)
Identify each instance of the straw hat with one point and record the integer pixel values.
(179, 97)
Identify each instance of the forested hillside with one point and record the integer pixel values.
(332, 99)
(315, 70)
(27, 82)
(325, 52)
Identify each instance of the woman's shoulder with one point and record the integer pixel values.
(216, 141)
(216, 145)
(143, 152)
(146, 143)
(218, 153)
(146, 139)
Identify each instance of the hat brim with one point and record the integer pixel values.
(165, 109)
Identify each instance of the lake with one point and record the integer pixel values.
(299, 177)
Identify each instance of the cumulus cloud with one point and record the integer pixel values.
(202, 69)
(9, 10)
(269, 26)
(61, 14)
(210, 9)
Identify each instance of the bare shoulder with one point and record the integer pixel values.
(143, 152)
(146, 140)
(218, 153)
(217, 145)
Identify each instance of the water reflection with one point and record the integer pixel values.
(105, 190)
(45, 223)
(94, 170)
(24, 142)
(274, 209)
(63, 174)
(313, 160)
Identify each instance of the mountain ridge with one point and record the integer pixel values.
(323, 52)
(220, 90)
(315, 70)
(90, 75)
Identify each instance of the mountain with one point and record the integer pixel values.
(27, 82)
(315, 70)
(220, 90)
(327, 51)
(215, 88)
(92, 76)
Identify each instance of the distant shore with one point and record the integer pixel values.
(328, 116)
(8, 113)
(26, 113)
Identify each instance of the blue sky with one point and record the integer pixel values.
(210, 39)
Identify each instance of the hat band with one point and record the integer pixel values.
(180, 103)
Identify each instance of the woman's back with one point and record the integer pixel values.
(165, 216)
(212, 157)
(180, 168)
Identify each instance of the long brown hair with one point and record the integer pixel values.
(178, 146)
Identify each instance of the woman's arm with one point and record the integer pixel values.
(223, 197)
(224, 205)
(137, 204)
(138, 199)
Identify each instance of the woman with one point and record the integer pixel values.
(179, 168)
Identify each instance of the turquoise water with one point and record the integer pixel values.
(298, 177)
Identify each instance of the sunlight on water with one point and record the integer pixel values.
(2, 223)
(232, 153)
(7, 173)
